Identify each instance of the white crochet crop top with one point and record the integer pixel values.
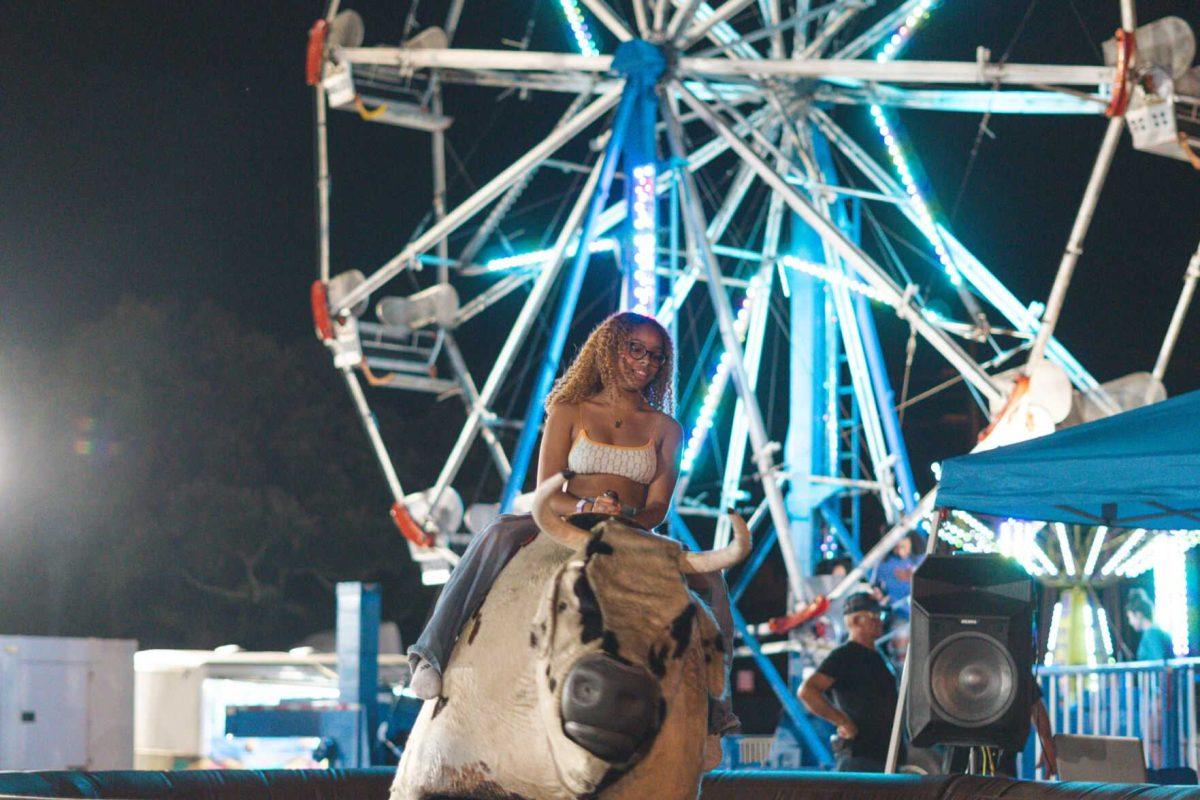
(638, 463)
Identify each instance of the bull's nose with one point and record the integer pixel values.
(609, 709)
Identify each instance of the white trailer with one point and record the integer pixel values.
(66, 703)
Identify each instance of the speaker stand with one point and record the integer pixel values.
(902, 695)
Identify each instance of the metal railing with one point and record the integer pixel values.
(1154, 701)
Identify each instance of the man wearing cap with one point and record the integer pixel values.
(863, 689)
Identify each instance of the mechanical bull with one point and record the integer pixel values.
(585, 674)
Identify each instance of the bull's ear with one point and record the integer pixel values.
(557, 607)
(714, 650)
(539, 631)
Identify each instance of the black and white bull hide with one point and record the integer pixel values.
(585, 674)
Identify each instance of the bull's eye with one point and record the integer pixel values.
(585, 692)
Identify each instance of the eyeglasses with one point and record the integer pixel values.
(637, 351)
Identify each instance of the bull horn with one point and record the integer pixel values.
(552, 524)
(726, 557)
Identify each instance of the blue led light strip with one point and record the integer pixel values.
(536, 258)
(579, 27)
(717, 383)
(887, 131)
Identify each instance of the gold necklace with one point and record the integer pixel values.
(618, 415)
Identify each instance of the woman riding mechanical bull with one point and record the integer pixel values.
(609, 427)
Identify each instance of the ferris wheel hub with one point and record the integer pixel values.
(643, 61)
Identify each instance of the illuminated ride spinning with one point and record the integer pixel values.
(722, 128)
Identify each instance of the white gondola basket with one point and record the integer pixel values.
(1152, 124)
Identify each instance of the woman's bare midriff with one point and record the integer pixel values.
(629, 493)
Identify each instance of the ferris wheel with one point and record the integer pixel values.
(702, 160)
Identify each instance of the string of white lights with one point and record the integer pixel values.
(1089, 632)
(969, 535)
(579, 27)
(1171, 589)
(645, 281)
(834, 277)
(1052, 637)
(889, 134)
(1064, 549)
(1017, 539)
(1105, 633)
(1151, 555)
(1123, 551)
(535, 258)
(1089, 566)
(720, 378)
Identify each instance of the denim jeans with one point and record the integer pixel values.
(469, 584)
(482, 563)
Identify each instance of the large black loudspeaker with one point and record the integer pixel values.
(971, 652)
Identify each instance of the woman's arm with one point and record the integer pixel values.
(662, 488)
(552, 458)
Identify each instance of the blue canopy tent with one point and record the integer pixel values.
(1136, 469)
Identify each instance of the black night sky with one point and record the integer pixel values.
(163, 151)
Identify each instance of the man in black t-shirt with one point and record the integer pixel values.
(863, 688)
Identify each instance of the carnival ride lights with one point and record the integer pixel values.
(1171, 584)
(764, 106)
(1105, 633)
(1079, 631)
(921, 12)
(1052, 636)
(537, 258)
(717, 383)
(579, 27)
(1093, 555)
(1089, 629)
(835, 277)
(644, 286)
(1064, 547)
(1131, 554)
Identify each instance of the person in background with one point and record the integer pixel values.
(1155, 643)
(894, 575)
(862, 687)
(833, 567)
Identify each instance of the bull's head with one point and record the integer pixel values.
(627, 655)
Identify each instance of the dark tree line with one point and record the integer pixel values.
(173, 475)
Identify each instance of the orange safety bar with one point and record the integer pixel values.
(320, 311)
(812, 610)
(408, 526)
(1122, 88)
(315, 54)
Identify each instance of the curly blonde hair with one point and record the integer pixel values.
(595, 367)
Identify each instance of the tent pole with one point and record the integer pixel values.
(905, 673)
